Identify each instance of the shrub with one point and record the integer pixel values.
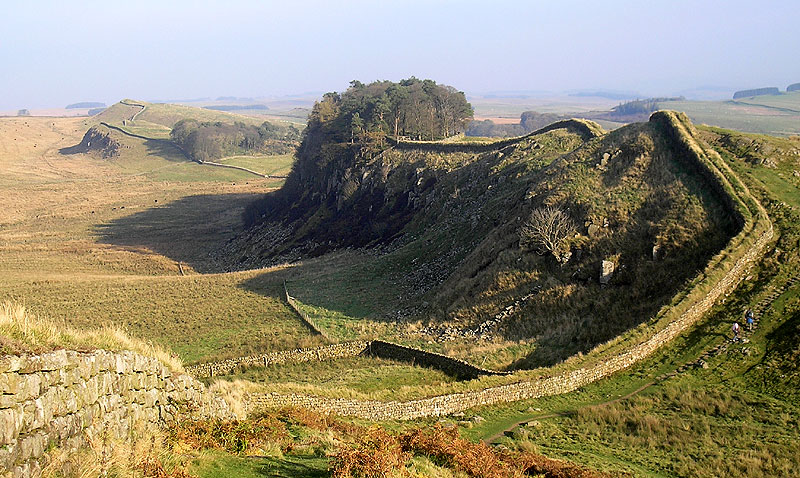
(376, 454)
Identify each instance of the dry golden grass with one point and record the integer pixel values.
(22, 332)
(89, 241)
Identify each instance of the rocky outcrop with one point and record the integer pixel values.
(62, 397)
(97, 140)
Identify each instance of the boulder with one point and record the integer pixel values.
(606, 272)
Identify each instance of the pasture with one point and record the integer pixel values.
(92, 241)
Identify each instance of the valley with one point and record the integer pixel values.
(418, 244)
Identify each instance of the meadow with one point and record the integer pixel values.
(89, 241)
(762, 114)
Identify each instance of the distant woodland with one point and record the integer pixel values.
(208, 141)
(86, 104)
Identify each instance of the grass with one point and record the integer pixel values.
(199, 317)
(90, 241)
(738, 417)
(217, 464)
(272, 165)
(69, 250)
(367, 375)
(752, 118)
(23, 332)
(784, 102)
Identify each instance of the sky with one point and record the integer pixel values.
(57, 52)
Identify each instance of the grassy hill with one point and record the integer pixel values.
(136, 135)
(448, 225)
(143, 242)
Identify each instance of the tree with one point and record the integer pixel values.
(547, 228)
(356, 126)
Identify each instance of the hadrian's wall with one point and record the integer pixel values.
(562, 383)
(311, 354)
(62, 397)
(584, 128)
(751, 242)
(376, 348)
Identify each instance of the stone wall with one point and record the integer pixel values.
(586, 129)
(449, 365)
(312, 354)
(376, 348)
(303, 316)
(746, 247)
(61, 397)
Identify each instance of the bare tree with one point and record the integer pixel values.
(546, 228)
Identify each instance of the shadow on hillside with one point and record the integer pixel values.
(186, 230)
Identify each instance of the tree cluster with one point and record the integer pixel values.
(412, 108)
(638, 107)
(211, 140)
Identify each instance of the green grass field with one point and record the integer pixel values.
(789, 102)
(748, 116)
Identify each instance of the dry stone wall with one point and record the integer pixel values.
(376, 348)
(312, 354)
(750, 244)
(584, 128)
(63, 397)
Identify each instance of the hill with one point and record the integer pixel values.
(145, 137)
(448, 218)
(126, 241)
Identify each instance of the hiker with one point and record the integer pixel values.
(749, 319)
(735, 329)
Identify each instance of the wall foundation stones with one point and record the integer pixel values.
(61, 397)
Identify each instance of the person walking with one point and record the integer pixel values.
(735, 330)
(749, 319)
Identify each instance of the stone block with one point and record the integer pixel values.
(11, 422)
(8, 455)
(30, 386)
(32, 446)
(11, 363)
(9, 382)
(54, 360)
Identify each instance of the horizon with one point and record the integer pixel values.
(105, 52)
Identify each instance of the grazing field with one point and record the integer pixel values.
(359, 376)
(271, 165)
(91, 241)
(750, 115)
(786, 102)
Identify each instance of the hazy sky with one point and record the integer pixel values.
(58, 52)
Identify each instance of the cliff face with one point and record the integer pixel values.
(450, 217)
